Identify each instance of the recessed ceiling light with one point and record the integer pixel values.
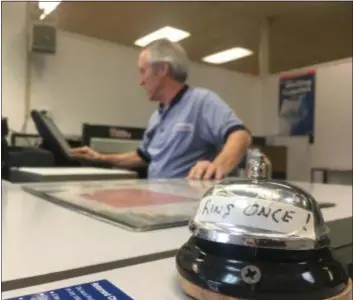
(227, 55)
(47, 7)
(167, 32)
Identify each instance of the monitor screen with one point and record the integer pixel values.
(50, 133)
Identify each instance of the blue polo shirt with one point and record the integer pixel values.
(193, 127)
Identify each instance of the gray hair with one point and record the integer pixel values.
(163, 50)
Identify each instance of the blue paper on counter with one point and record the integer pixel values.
(97, 290)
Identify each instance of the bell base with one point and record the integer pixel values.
(199, 293)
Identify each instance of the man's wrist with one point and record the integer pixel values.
(225, 166)
(102, 157)
(109, 158)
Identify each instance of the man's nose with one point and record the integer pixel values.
(141, 81)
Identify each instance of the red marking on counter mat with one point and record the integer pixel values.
(133, 197)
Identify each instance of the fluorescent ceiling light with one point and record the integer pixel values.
(47, 7)
(227, 55)
(167, 32)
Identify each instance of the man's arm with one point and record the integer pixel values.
(134, 159)
(230, 156)
(223, 129)
(233, 151)
(129, 159)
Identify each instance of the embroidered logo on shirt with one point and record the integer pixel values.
(183, 127)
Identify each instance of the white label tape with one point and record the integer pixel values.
(256, 213)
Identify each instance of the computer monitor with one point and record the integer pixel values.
(53, 139)
(55, 142)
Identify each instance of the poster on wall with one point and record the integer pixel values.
(297, 104)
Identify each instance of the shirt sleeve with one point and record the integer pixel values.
(218, 120)
(142, 149)
(146, 139)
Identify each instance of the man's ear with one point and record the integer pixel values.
(164, 69)
(161, 69)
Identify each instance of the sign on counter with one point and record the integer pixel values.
(98, 290)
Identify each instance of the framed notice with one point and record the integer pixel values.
(297, 104)
(136, 207)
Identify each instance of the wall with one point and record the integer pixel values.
(89, 80)
(13, 62)
(333, 122)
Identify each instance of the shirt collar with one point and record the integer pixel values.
(175, 100)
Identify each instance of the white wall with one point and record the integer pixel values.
(333, 121)
(13, 62)
(89, 80)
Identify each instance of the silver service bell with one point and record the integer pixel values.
(260, 212)
(258, 238)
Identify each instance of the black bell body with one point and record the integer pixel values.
(246, 272)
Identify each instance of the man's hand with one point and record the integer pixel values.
(206, 170)
(85, 152)
(202, 185)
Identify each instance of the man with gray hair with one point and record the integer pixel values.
(193, 133)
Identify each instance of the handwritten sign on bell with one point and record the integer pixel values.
(261, 214)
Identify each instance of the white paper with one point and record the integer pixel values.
(256, 213)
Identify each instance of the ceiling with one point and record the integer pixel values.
(301, 33)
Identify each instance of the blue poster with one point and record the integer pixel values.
(297, 104)
(99, 290)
